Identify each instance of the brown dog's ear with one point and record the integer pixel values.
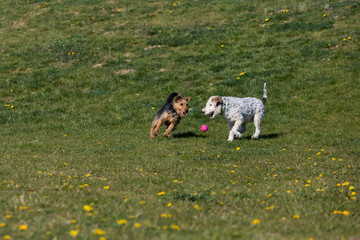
(178, 98)
(187, 98)
(217, 100)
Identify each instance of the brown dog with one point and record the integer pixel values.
(170, 114)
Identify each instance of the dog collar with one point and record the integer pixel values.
(223, 105)
(175, 114)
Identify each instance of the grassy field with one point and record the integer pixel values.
(80, 82)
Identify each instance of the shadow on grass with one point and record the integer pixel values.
(269, 136)
(188, 135)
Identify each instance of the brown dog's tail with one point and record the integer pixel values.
(171, 97)
(265, 95)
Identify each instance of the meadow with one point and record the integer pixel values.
(80, 82)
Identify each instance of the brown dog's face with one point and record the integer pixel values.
(181, 105)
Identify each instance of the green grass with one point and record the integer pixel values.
(80, 82)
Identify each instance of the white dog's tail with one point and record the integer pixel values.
(265, 95)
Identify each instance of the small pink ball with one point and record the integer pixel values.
(204, 128)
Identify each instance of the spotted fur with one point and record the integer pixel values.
(238, 112)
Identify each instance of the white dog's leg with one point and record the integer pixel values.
(233, 130)
(231, 134)
(257, 122)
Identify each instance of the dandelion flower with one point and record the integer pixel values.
(2, 224)
(7, 237)
(346, 213)
(256, 221)
(296, 216)
(169, 204)
(122, 221)
(106, 187)
(137, 225)
(161, 193)
(175, 227)
(23, 227)
(99, 232)
(266, 19)
(176, 181)
(88, 208)
(345, 183)
(74, 233)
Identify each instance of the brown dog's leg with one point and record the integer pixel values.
(169, 129)
(158, 124)
(153, 125)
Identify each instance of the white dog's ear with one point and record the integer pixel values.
(217, 100)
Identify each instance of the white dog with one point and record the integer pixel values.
(238, 112)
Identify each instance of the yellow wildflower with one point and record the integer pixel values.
(98, 231)
(175, 227)
(23, 227)
(122, 221)
(346, 213)
(88, 208)
(256, 221)
(74, 233)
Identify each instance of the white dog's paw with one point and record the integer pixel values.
(231, 137)
(237, 134)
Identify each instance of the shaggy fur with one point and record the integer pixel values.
(238, 112)
(170, 114)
